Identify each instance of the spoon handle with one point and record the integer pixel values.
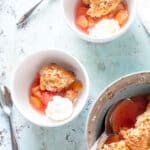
(13, 138)
(102, 140)
(28, 13)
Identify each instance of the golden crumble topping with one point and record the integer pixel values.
(143, 120)
(136, 138)
(55, 78)
(115, 146)
(99, 8)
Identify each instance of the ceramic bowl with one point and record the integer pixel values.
(128, 86)
(69, 7)
(25, 73)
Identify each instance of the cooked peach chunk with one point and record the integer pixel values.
(36, 91)
(76, 86)
(82, 22)
(36, 103)
(91, 21)
(70, 94)
(46, 97)
(125, 4)
(122, 17)
(121, 6)
(82, 11)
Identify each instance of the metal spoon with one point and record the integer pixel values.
(28, 13)
(6, 104)
(108, 126)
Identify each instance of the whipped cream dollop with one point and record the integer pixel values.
(59, 108)
(104, 28)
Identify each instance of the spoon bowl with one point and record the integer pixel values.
(5, 98)
(109, 130)
(110, 116)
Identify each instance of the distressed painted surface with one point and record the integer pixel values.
(47, 29)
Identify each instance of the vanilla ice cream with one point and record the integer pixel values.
(104, 28)
(59, 108)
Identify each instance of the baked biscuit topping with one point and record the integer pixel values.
(116, 146)
(143, 120)
(100, 8)
(136, 138)
(55, 78)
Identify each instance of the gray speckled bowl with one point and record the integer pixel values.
(130, 85)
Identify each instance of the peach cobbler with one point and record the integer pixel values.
(136, 137)
(101, 18)
(54, 91)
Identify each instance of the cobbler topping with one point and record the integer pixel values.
(55, 78)
(98, 8)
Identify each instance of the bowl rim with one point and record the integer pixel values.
(109, 86)
(47, 51)
(114, 36)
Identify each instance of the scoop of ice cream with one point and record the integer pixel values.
(59, 108)
(104, 28)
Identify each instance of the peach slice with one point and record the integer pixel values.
(36, 102)
(46, 97)
(82, 22)
(36, 91)
(76, 86)
(122, 17)
(71, 95)
(82, 11)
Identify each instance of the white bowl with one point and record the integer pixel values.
(69, 11)
(25, 73)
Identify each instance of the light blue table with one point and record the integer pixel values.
(103, 62)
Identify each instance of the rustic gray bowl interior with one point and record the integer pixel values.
(127, 86)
